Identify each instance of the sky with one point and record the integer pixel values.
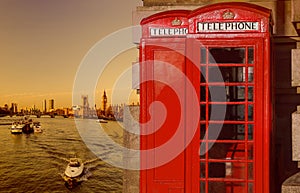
(43, 42)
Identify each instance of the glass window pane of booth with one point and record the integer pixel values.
(226, 160)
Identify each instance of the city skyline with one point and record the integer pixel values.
(44, 42)
(50, 103)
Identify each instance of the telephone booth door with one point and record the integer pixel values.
(231, 133)
(230, 44)
(223, 50)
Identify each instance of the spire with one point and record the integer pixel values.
(104, 102)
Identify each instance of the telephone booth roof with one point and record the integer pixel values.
(219, 14)
(155, 18)
(255, 9)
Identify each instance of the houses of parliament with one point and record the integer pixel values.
(106, 111)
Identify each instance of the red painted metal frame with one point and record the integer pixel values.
(190, 46)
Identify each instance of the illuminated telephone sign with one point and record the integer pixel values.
(206, 100)
(227, 26)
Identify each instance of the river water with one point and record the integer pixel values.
(35, 162)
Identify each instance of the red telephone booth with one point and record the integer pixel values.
(223, 51)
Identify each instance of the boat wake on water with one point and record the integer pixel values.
(91, 161)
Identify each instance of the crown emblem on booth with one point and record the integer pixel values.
(176, 21)
(228, 14)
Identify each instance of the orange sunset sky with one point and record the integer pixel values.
(44, 41)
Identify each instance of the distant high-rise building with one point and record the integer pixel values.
(45, 106)
(14, 108)
(51, 104)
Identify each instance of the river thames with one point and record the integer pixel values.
(35, 162)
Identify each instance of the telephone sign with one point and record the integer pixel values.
(227, 26)
(168, 32)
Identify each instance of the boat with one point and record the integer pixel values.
(73, 172)
(24, 125)
(102, 121)
(28, 128)
(37, 128)
(17, 127)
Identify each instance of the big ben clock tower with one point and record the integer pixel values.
(104, 102)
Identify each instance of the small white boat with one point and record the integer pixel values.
(17, 127)
(37, 127)
(102, 121)
(73, 172)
